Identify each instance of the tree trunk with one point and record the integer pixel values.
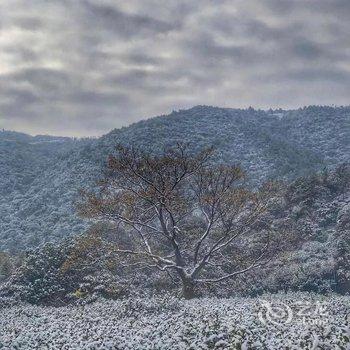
(188, 289)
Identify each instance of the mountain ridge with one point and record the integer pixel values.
(39, 178)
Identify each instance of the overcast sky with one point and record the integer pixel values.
(83, 67)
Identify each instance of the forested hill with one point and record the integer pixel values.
(40, 176)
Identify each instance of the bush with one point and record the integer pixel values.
(60, 273)
(39, 278)
(7, 266)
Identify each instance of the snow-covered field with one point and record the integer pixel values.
(303, 321)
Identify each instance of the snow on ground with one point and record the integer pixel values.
(303, 321)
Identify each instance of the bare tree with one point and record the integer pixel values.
(187, 217)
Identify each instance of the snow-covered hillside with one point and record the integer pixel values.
(40, 176)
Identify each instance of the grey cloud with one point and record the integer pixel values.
(22, 53)
(41, 77)
(88, 66)
(20, 97)
(28, 23)
(129, 25)
(339, 7)
(320, 75)
(131, 78)
(99, 98)
(140, 58)
(206, 47)
(307, 49)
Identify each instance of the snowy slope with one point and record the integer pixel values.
(40, 176)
